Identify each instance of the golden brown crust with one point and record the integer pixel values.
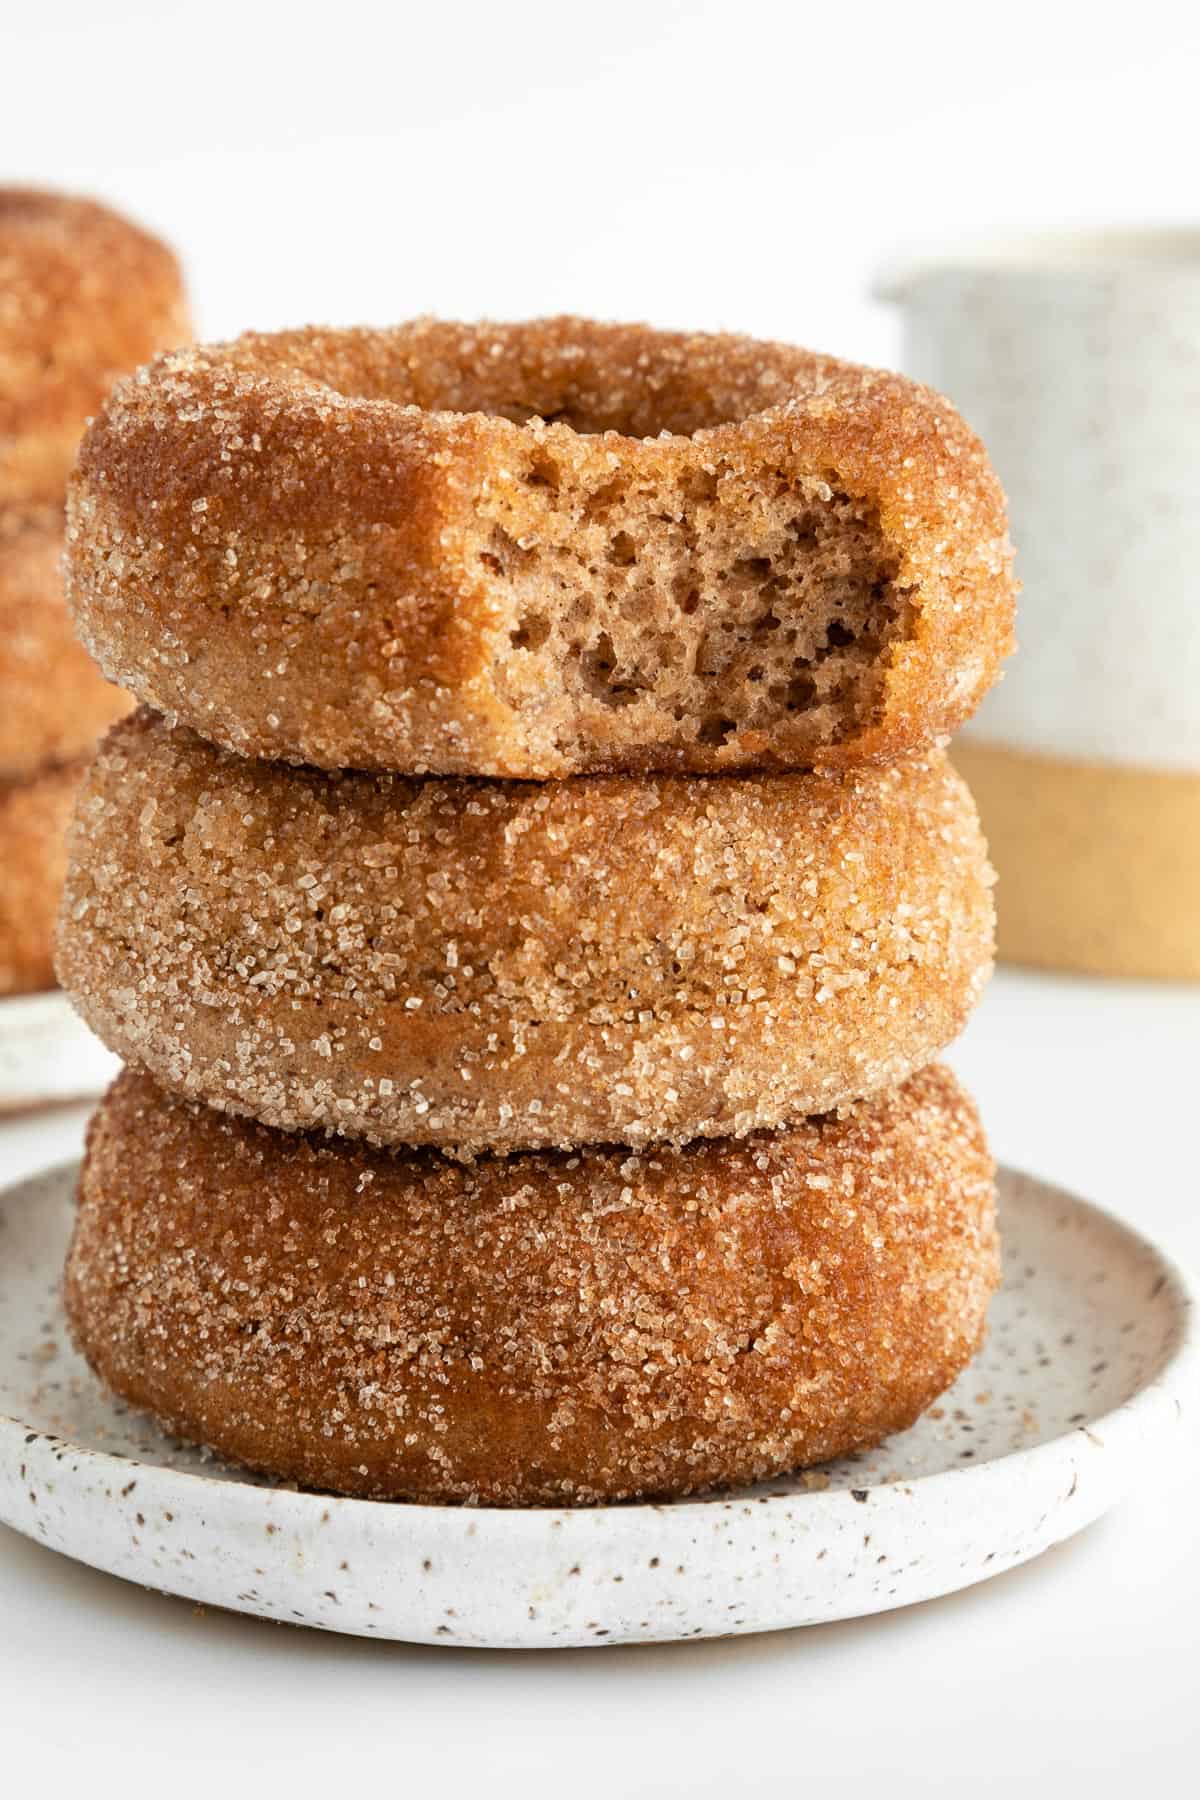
(34, 813)
(285, 544)
(87, 297)
(495, 966)
(54, 702)
(533, 1330)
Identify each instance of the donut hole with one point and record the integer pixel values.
(590, 378)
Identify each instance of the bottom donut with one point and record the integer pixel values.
(34, 813)
(542, 1329)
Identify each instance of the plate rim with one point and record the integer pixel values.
(1163, 1391)
(49, 1056)
(52, 1002)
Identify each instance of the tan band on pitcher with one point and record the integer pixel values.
(1099, 865)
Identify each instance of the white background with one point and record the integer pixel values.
(739, 165)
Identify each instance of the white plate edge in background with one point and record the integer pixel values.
(47, 1053)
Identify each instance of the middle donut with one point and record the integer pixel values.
(498, 965)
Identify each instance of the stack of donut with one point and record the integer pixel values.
(84, 297)
(529, 902)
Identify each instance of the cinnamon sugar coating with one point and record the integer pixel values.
(533, 1330)
(85, 296)
(34, 813)
(54, 702)
(496, 966)
(535, 550)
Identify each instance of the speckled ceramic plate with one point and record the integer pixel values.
(1090, 1357)
(47, 1053)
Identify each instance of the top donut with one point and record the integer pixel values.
(535, 550)
(84, 297)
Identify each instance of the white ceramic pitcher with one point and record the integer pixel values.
(1077, 359)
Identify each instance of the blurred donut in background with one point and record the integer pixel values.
(85, 296)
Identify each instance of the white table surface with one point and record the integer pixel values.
(1081, 1668)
